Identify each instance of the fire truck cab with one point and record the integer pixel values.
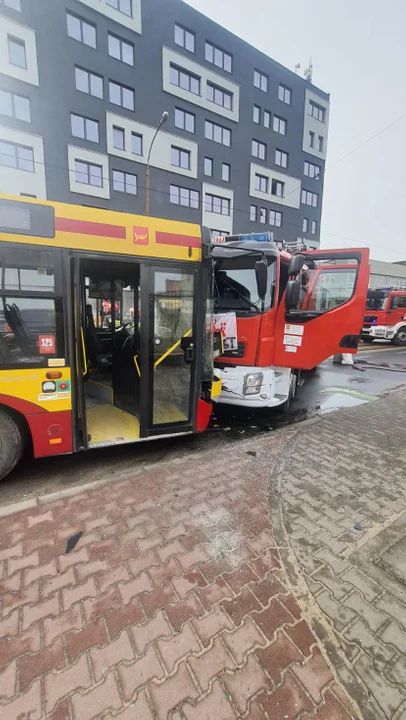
(281, 313)
(385, 316)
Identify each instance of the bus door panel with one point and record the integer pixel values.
(172, 348)
(329, 313)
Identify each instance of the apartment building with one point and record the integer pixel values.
(84, 83)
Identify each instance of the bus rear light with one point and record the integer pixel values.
(54, 431)
(54, 374)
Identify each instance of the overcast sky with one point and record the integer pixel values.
(358, 49)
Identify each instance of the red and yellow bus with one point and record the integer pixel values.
(105, 328)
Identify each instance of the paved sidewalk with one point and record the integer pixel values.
(173, 604)
(343, 510)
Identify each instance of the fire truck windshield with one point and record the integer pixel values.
(235, 284)
(376, 301)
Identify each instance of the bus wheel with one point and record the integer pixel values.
(11, 443)
(400, 337)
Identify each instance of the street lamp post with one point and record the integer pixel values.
(163, 120)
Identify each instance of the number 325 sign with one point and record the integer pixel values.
(46, 344)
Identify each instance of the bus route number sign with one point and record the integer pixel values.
(46, 344)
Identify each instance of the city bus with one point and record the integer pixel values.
(106, 332)
(305, 308)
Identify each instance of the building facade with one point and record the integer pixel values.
(84, 83)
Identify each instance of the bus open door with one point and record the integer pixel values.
(321, 313)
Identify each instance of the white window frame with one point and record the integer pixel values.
(90, 79)
(124, 182)
(317, 111)
(309, 198)
(14, 111)
(208, 161)
(121, 43)
(210, 134)
(305, 225)
(261, 182)
(217, 204)
(262, 215)
(261, 80)
(313, 227)
(284, 94)
(253, 213)
(267, 119)
(82, 23)
(226, 172)
(279, 187)
(139, 138)
(279, 122)
(181, 193)
(218, 57)
(86, 121)
(184, 37)
(12, 39)
(122, 88)
(276, 218)
(185, 114)
(258, 149)
(281, 158)
(311, 170)
(119, 130)
(190, 78)
(256, 114)
(219, 96)
(180, 156)
(119, 5)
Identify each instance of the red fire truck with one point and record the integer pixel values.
(385, 316)
(290, 312)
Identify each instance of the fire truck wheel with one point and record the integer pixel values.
(11, 443)
(367, 339)
(400, 337)
(292, 392)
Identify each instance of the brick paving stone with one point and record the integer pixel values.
(210, 625)
(278, 655)
(151, 631)
(100, 698)
(238, 608)
(211, 663)
(37, 664)
(175, 690)
(58, 685)
(215, 705)
(243, 640)
(244, 683)
(105, 603)
(314, 674)
(182, 644)
(8, 679)
(288, 700)
(140, 672)
(183, 611)
(24, 706)
(77, 642)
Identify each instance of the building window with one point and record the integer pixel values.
(258, 149)
(118, 138)
(305, 225)
(121, 49)
(136, 144)
(184, 120)
(85, 128)
(219, 233)
(15, 106)
(261, 80)
(261, 183)
(121, 95)
(208, 166)
(320, 143)
(81, 30)
(275, 218)
(184, 80)
(124, 182)
(267, 119)
(262, 215)
(253, 213)
(123, 6)
(16, 51)
(183, 196)
(279, 125)
(218, 96)
(285, 94)
(88, 82)
(317, 111)
(313, 227)
(88, 173)
(218, 57)
(184, 38)
(217, 133)
(281, 158)
(180, 158)
(309, 198)
(218, 205)
(16, 156)
(312, 171)
(13, 4)
(226, 172)
(311, 139)
(278, 188)
(256, 114)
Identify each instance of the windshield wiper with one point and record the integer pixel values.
(240, 295)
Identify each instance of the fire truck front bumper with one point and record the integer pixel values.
(253, 387)
(383, 332)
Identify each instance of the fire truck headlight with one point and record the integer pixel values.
(252, 383)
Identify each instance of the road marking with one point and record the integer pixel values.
(371, 349)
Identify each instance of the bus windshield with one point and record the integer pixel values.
(376, 301)
(235, 284)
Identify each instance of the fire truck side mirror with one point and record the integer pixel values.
(261, 272)
(295, 265)
(292, 294)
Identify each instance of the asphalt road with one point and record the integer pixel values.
(327, 389)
